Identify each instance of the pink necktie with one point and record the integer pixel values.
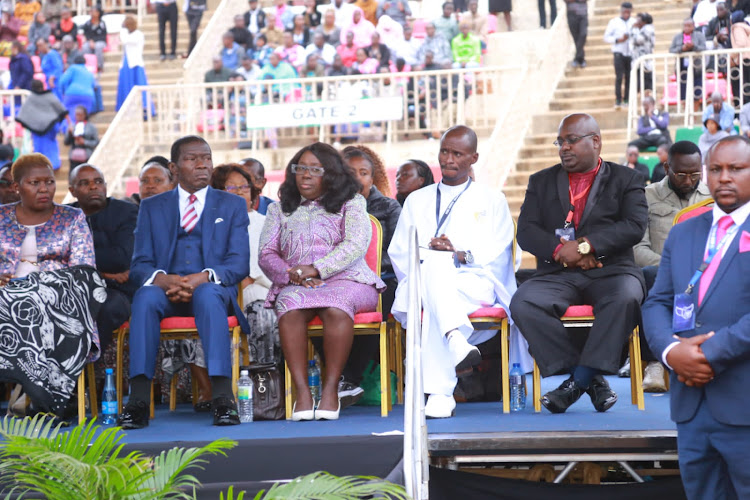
(724, 224)
(191, 216)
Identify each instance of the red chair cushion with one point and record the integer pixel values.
(359, 319)
(489, 312)
(579, 311)
(184, 323)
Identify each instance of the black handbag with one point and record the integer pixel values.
(268, 392)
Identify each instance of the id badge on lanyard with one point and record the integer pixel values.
(683, 311)
(567, 231)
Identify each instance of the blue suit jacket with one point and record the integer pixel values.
(725, 310)
(225, 244)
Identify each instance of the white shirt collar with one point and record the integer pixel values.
(200, 194)
(739, 216)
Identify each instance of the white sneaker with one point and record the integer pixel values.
(464, 355)
(439, 406)
(653, 379)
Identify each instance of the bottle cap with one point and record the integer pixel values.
(244, 372)
(108, 371)
(516, 365)
(311, 362)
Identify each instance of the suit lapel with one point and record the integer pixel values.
(563, 185)
(726, 261)
(597, 189)
(171, 208)
(208, 218)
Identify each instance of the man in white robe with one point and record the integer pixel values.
(472, 228)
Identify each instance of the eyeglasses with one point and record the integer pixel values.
(233, 189)
(5, 183)
(314, 171)
(681, 177)
(561, 141)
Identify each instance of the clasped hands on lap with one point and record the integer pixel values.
(569, 257)
(688, 361)
(180, 288)
(306, 276)
(443, 244)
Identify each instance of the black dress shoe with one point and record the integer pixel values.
(203, 406)
(134, 416)
(601, 394)
(563, 397)
(225, 411)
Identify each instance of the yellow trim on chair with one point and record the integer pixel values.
(690, 208)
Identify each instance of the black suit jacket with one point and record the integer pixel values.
(112, 229)
(614, 220)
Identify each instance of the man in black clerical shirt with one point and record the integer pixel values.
(112, 223)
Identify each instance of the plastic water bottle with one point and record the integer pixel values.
(109, 399)
(313, 379)
(245, 396)
(517, 388)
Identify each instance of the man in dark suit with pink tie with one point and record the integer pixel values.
(191, 251)
(697, 318)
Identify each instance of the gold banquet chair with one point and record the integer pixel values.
(369, 323)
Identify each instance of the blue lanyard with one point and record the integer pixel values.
(713, 249)
(441, 220)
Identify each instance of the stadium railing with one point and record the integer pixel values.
(265, 113)
(701, 73)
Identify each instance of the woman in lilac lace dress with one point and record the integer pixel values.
(312, 248)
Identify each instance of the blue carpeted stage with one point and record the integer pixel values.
(362, 442)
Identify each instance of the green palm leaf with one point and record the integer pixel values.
(324, 486)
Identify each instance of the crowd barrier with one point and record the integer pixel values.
(278, 113)
(683, 83)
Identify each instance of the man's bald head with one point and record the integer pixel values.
(463, 130)
(458, 152)
(580, 142)
(74, 173)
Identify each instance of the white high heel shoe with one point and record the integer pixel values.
(302, 415)
(328, 414)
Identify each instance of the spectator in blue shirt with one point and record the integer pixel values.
(52, 66)
(232, 53)
(722, 112)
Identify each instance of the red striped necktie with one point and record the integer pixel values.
(191, 215)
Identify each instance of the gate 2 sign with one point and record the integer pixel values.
(376, 109)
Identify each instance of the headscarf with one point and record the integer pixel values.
(391, 32)
(362, 30)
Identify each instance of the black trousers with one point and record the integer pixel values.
(539, 303)
(578, 24)
(194, 21)
(649, 141)
(112, 314)
(622, 72)
(543, 13)
(167, 13)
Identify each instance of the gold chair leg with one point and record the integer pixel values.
(398, 340)
(173, 392)
(505, 364)
(537, 389)
(636, 370)
(287, 391)
(93, 400)
(81, 397)
(235, 359)
(385, 375)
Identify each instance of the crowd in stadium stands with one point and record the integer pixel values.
(362, 37)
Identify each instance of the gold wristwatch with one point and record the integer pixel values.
(584, 247)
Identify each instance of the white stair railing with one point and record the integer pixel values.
(416, 465)
(703, 73)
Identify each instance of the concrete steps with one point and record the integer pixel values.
(589, 90)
